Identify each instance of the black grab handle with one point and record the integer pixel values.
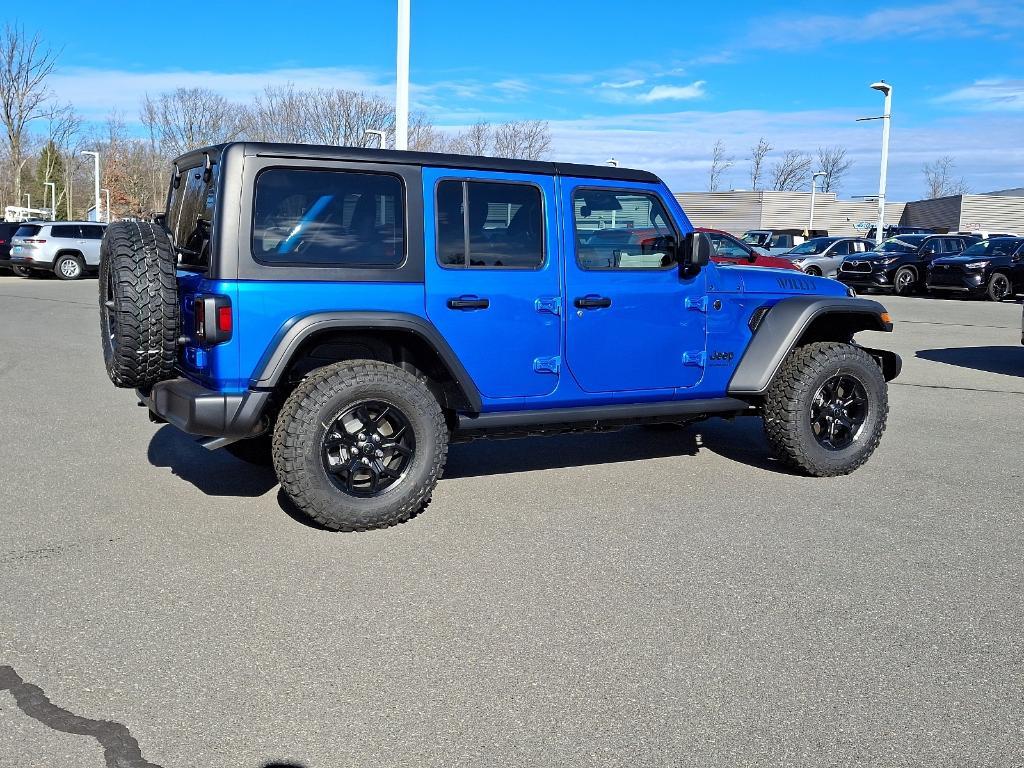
(592, 302)
(468, 303)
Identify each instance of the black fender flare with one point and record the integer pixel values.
(291, 336)
(786, 322)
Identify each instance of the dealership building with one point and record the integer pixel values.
(739, 211)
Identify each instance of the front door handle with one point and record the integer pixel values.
(592, 302)
(468, 302)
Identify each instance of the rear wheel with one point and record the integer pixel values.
(998, 287)
(826, 409)
(903, 281)
(21, 271)
(359, 445)
(69, 267)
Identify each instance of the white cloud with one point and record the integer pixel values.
(694, 90)
(994, 94)
(624, 84)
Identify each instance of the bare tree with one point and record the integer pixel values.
(322, 116)
(832, 161)
(25, 65)
(424, 137)
(791, 173)
(187, 118)
(522, 139)
(757, 156)
(475, 141)
(719, 165)
(939, 179)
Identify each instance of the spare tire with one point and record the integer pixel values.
(138, 303)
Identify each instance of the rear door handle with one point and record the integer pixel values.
(592, 302)
(468, 302)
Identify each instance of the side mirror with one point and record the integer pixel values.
(694, 253)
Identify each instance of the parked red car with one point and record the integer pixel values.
(726, 249)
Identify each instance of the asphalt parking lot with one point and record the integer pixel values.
(622, 599)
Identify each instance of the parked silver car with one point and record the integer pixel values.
(823, 255)
(69, 249)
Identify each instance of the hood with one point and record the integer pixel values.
(777, 281)
(961, 259)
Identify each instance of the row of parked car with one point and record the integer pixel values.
(68, 249)
(989, 265)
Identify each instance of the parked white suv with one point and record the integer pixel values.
(69, 249)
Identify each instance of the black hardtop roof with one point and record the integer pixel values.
(439, 159)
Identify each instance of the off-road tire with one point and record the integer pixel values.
(904, 290)
(994, 291)
(59, 271)
(300, 428)
(138, 296)
(787, 406)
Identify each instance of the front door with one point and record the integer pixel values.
(633, 322)
(492, 275)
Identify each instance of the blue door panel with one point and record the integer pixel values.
(652, 336)
(501, 345)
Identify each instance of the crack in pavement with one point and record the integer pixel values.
(956, 389)
(120, 749)
(45, 298)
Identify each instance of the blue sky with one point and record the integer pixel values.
(653, 84)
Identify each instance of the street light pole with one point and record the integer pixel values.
(402, 80)
(53, 199)
(106, 193)
(886, 90)
(29, 206)
(814, 184)
(96, 178)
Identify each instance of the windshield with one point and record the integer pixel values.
(896, 246)
(756, 238)
(810, 248)
(986, 249)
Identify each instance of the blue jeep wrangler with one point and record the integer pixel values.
(347, 312)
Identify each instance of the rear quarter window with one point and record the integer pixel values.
(329, 219)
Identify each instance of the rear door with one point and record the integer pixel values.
(493, 281)
(632, 321)
(92, 236)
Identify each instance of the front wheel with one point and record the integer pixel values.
(903, 281)
(813, 271)
(826, 408)
(360, 444)
(998, 287)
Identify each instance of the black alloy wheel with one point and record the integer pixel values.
(838, 412)
(367, 449)
(903, 282)
(998, 287)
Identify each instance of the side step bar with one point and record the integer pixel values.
(601, 413)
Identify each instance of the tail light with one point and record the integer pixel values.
(33, 240)
(212, 319)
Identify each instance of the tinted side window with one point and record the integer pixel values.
(487, 224)
(92, 232)
(69, 231)
(328, 218)
(842, 248)
(622, 230)
(190, 214)
(27, 230)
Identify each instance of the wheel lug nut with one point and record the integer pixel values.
(379, 454)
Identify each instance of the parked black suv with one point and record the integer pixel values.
(993, 268)
(7, 230)
(900, 263)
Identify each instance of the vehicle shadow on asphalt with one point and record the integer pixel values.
(741, 440)
(215, 473)
(1005, 360)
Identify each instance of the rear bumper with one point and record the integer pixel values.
(199, 411)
